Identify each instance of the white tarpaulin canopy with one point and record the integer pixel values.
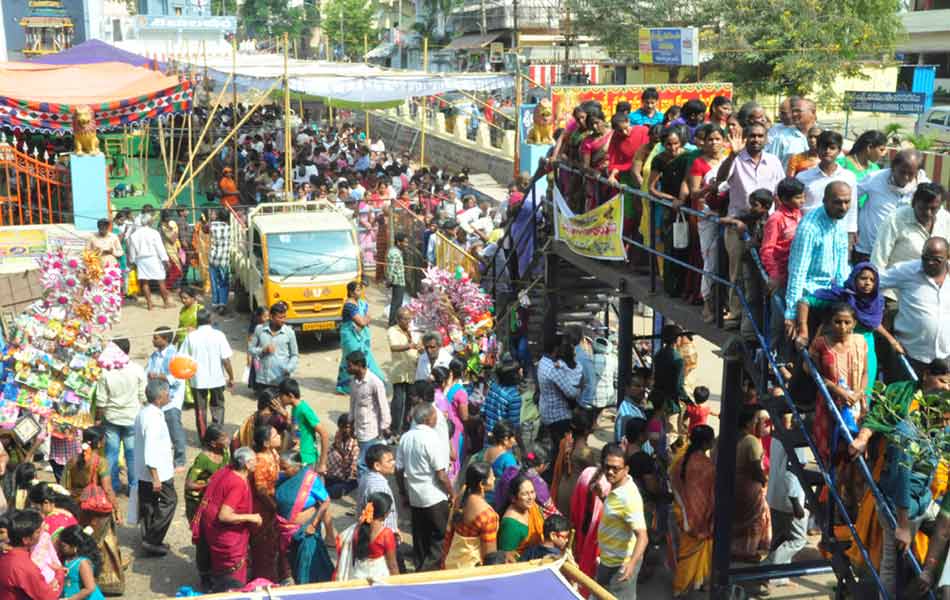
(349, 84)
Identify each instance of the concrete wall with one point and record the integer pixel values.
(442, 149)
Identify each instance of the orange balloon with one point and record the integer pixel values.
(183, 367)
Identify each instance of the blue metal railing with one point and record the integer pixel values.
(762, 338)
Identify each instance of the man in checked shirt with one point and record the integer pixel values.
(219, 260)
(559, 386)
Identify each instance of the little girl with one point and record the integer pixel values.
(841, 358)
(80, 555)
(374, 544)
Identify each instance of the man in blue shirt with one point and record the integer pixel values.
(647, 114)
(158, 368)
(819, 254)
(275, 345)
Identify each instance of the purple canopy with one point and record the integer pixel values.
(93, 51)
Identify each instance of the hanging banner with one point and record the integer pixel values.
(669, 46)
(565, 98)
(598, 233)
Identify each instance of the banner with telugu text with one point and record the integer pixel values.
(565, 98)
(598, 233)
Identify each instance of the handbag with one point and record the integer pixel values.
(93, 498)
(680, 232)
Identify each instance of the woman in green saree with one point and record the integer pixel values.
(355, 335)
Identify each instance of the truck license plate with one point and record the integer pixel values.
(318, 326)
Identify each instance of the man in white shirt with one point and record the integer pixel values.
(147, 253)
(922, 325)
(786, 500)
(155, 470)
(904, 233)
(817, 178)
(159, 368)
(210, 349)
(435, 355)
(886, 190)
(120, 394)
(421, 472)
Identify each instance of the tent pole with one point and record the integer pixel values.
(234, 98)
(572, 571)
(144, 147)
(211, 156)
(204, 130)
(288, 144)
(191, 158)
(161, 144)
(300, 98)
(425, 102)
(369, 140)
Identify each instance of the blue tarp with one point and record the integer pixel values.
(93, 51)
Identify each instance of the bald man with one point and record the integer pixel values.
(922, 325)
(819, 254)
(404, 348)
(789, 141)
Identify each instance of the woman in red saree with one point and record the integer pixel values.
(593, 153)
(693, 479)
(224, 521)
(586, 510)
(267, 562)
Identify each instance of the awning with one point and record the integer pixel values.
(42, 97)
(94, 51)
(381, 51)
(473, 41)
(349, 85)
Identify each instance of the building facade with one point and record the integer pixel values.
(928, 38)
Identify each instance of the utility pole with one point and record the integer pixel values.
(484, 22)
(342, 45)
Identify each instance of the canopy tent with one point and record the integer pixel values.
(349, 85)
(503, 582)
(94, 51)
(41, 97)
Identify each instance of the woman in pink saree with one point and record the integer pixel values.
(586, 511)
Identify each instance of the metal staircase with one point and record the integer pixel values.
(577, 290)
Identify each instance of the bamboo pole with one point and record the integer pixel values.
(172, 163)
(191, 188)
(227, 138)
(288, 143)
(477, 101)
(146, 143)
(572, 570)
(204, 131)
(234, 106)
(425, 103)
(365, 108)
(161, 144)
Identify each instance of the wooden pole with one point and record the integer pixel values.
(425, 102)
(288, 143)
(204, 130)
(571, 570)
(366, 109)
(161, 144)
(191, 158)
(234, 108)
(222, 143)
(518, 93)
(300, 98)
(144, 147)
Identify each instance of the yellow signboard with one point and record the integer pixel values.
(598, 233)
(22, 245)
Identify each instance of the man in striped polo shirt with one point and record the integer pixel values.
(622, 534)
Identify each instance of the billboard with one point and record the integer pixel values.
(564, 98)
(669, 46)
(898, 103)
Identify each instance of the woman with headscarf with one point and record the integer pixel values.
(862, 292)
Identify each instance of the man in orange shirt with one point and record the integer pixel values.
(228, 188)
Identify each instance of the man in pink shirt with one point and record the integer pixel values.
(20, 578)
(776, 245)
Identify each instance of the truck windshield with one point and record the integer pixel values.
(313, 253)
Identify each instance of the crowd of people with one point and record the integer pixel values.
(829, 253)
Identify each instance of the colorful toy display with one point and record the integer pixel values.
(55, 352)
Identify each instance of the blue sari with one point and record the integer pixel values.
(309, 560)
(352, 338)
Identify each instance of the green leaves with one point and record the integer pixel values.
(348, 21)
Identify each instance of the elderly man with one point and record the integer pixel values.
(422, 463)
(886, 190)
(819, 254)
(275, 345)
(789, 141)
(922, 325)
(903, 234)
(155, 469)
(435, 355)
(404, 350)
(147, 253)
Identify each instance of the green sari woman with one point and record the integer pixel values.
(187, 322)
(355, 335)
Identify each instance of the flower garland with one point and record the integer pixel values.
(82, 287)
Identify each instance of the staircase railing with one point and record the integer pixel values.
(32, 191)
(826, 471)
